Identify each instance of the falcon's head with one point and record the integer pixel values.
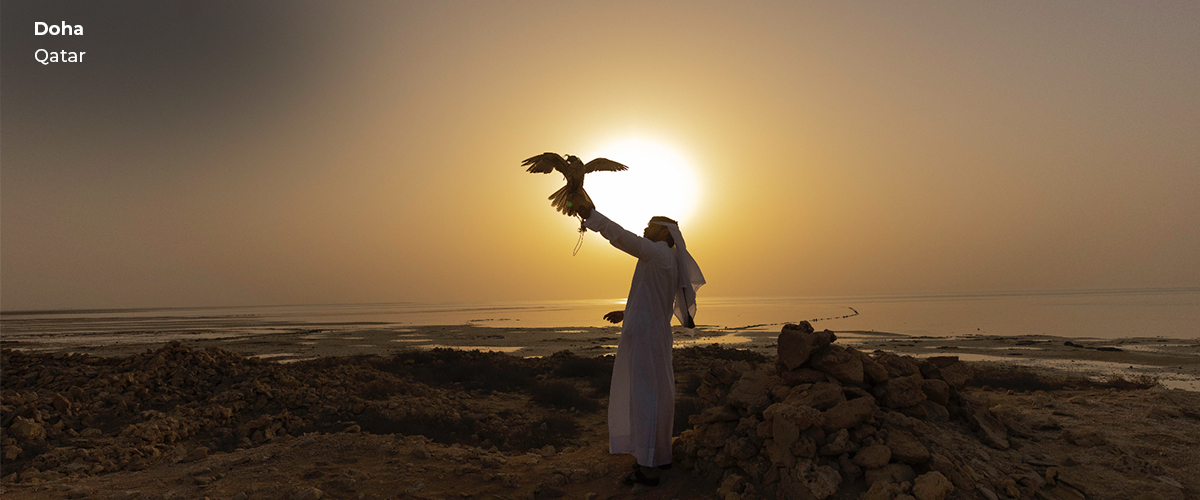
(574, 160)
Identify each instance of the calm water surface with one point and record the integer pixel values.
(1073, 313)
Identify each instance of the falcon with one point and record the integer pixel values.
(568, 199)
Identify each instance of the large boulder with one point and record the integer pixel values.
(936, 390)
(901, 392)
(848, 414)
(838, 362)
(873, 372)
(928, 411)
(798, 342)
(821, 395)
(751, 391)
(800, 376)
(991, 431)
(906, 448)
(897, 365)
(956, 374)
(802, 417)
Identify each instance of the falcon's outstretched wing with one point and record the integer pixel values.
(545, 163)
(604, 164)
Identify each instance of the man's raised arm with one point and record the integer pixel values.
(621, 238)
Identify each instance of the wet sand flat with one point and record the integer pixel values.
(1175, 361)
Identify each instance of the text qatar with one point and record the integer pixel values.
(47, 57)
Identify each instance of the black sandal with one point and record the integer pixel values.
(636, 477)
(661, 467)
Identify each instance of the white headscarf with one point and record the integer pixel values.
(690, 279)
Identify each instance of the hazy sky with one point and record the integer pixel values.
(252, 152)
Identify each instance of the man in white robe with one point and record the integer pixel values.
(641, 407)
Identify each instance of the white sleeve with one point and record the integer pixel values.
(624, 240)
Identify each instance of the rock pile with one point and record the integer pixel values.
(76, 415)
(826, 419)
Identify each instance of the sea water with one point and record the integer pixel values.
(1160, 312)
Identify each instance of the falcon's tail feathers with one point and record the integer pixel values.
(568, 201)
(559, 200)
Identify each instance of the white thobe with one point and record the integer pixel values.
(641, 403)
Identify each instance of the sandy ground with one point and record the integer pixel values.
(1136, 458)
(1109, 443)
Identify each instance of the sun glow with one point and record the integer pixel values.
(659, 182)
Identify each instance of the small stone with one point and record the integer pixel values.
(1163, 412)
(882, 490)
(932, 486)
(308, 494)
(961, 476)
(723, 413)
(61, 404)
(11, 452)
(823, 481)
(199, 453)
(547, 451)
(713, 435)
(895, 473)
(733, 483)
(1085, 438)
(1060, 492)
(79, 492)
(740, 448)
(991, 430)
(25, 429)
(420, 451)
(906, 447)
(873, 457)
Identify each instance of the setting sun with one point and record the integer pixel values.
(659, 181)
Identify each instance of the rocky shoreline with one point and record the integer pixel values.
(817, 420)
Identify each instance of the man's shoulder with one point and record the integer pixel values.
(663, 253)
